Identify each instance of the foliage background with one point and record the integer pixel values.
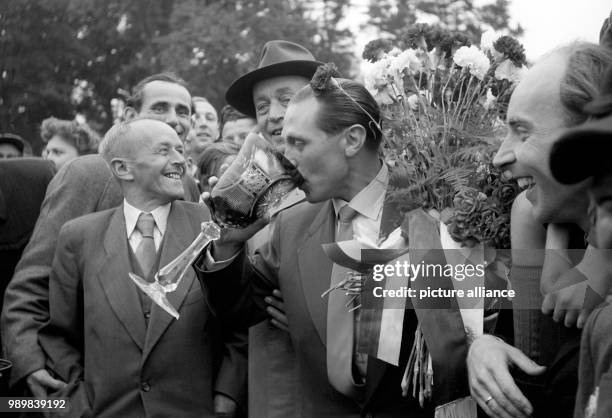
(67, 57)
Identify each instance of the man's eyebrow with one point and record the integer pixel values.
(284, 90)
(517, 123)
(261, 97)
(293, 137)
(159, 103)
(184, 106)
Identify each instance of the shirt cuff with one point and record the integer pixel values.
(211, 265)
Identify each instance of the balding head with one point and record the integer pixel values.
(123, 138)
(146, 156)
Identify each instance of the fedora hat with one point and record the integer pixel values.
(278, 58)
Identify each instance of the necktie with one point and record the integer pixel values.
(145, 253)
(340, 322)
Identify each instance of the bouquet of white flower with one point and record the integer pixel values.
(444, 102)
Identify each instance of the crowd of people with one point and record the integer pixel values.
(255, 337)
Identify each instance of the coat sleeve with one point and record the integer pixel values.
(26, 307)
(61, 339)
(236, 293)
(231, 378)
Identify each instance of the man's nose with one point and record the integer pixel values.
(277, 112)
(171, 118)
(505, 155)
(177, 157)
(289, 155)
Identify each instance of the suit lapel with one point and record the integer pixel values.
(315, 267)
(179, 234)
(121, 293)
(390, 219)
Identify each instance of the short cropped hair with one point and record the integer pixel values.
(196, 99)
(110, 145)
(79, 135)
(136, 98)
(229, 114)
(345, 103)
(583, 79)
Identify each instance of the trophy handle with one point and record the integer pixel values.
(168, 278)
(156, 292)
(171, 275)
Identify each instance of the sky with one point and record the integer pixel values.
(547, 23)
(550, 23)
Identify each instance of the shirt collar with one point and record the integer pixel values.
(369, 201)
(131, 213)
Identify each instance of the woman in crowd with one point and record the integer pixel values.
(66, 140)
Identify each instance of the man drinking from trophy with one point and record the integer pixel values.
(332, 135)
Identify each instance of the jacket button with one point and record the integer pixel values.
(145, 386)
(369, 415)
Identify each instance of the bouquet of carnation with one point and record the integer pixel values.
(444, 103)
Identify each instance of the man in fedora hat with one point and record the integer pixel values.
(264, 93)
(284, 67)
(581, 153)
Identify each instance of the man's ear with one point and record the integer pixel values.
(121, 169)
(355, 137)
(129, 113)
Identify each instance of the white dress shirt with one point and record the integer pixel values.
(160, 215)
(368, 204)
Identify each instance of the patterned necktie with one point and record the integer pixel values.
(145, 253)
(340, 322)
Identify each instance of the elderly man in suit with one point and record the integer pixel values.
(120, 354)
(332, 134)
(84, 185)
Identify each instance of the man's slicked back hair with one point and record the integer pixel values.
(136, 99)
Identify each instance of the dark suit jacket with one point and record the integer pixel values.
(294, 261)
(97, 340)
(83, 185)
(595, 370)
(23, 182)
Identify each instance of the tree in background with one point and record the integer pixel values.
(214, 43)
(394, 17)
(40, 57)
(66, 58)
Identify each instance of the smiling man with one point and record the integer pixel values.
(121, 355)
(84, 185)
(205, 123)
(264, 93)
(581, 153)
(550, 98)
